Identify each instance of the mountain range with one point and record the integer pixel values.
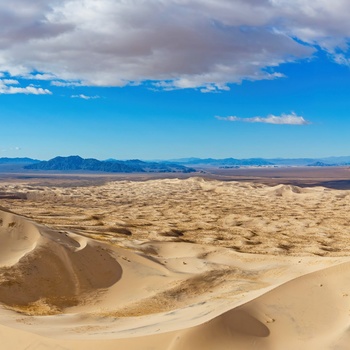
(183, 165)
(73, 163)
(233, 162)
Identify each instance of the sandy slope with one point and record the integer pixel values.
(165, 264)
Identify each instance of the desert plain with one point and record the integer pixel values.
(226, 260)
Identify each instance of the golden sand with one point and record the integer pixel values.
(174, 264)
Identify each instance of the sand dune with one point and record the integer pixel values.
(44, 270)
(174, 264)
(310, 312)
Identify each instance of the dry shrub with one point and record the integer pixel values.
(172, 233)
(120, 230)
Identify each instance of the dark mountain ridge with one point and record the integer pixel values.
(184, 165)
(74, 163)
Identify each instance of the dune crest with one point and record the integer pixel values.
(44, 271)
(17, 238)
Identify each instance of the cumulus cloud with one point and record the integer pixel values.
(175, 44)
(66, 83)
(6, 87)
(283, 119)
(85, 97)
(9, 82)
(40, 76)
(28, 90)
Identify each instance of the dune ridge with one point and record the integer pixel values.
(171, 280)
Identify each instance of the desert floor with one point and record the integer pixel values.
(205, 262)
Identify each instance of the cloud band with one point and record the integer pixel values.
(283, 119)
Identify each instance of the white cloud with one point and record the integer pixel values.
(65, 83)
(28, 90)
(40, 76)
(283, 119)
(182, 43)
(9, 82)
(85, 97)
(7, 88)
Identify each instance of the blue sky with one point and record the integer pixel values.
(168, 79)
